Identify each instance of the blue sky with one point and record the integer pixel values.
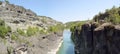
(67, 10)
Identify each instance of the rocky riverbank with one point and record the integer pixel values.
(57, 46)
(39, 44)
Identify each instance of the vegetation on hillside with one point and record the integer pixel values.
(110, 15)
(74, 23)
(4, 29)
(32, 31)
(21, 32)
(56, 28)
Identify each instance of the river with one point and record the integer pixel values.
(67, 46)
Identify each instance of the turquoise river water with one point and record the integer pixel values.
(67, 46)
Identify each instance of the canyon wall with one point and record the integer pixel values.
(97, 39)
(28, 33)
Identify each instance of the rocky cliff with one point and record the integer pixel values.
(93, 38)
(29, 32)
(17, 15)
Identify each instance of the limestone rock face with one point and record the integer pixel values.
(94, 39)
(18, 17)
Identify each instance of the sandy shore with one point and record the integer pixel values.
(58, 45)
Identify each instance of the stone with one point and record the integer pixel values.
(21, 50)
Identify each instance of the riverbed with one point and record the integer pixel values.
(67, 46)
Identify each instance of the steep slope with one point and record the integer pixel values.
(17, 15)
(94, 39)
(100, 36)
(29, 33)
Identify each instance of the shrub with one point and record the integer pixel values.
(2, 23)
(21, 32)
(43, 31)
(56, 28)
(3, 29)
(14, 37)
(9, 28)
(44, 20)
(32, 30)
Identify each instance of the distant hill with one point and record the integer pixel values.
(69, 25)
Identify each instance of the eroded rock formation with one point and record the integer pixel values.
(17, 17)
(94, 39)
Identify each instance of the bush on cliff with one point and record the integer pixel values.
(110, 15)
(21, 32)
(32, 30)
(43, 31)
(77, 24)
(14, 37)
(4, 29)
